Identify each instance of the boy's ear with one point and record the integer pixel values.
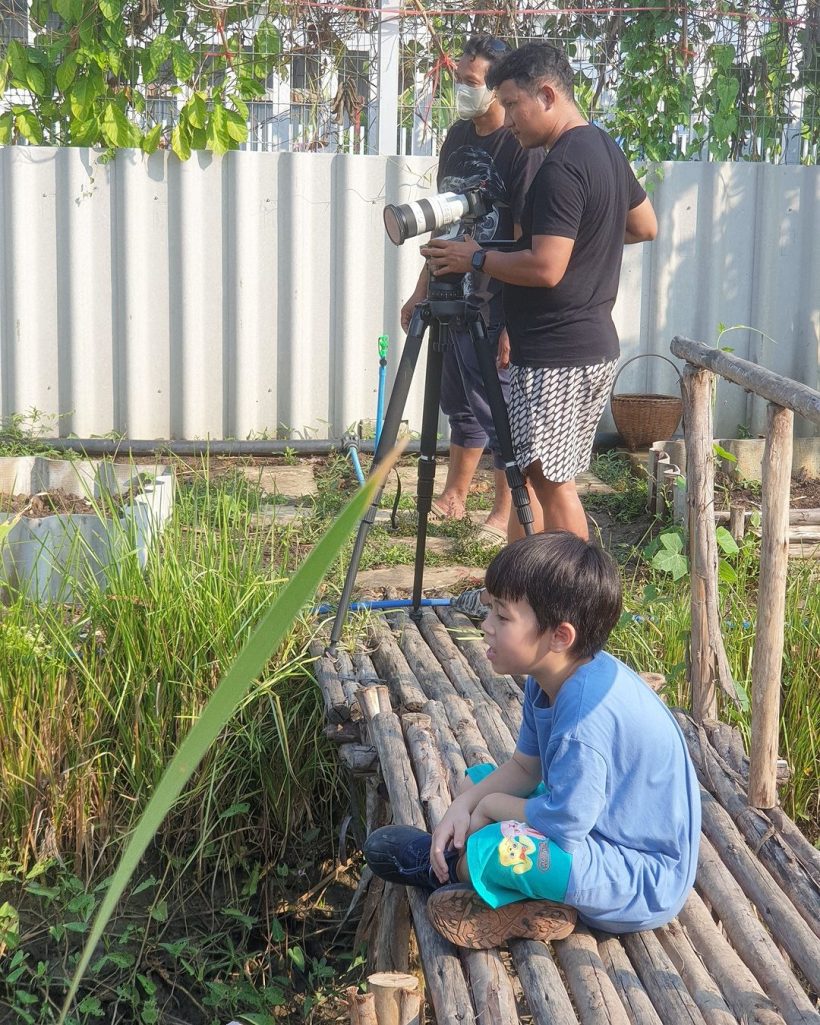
(563, 637)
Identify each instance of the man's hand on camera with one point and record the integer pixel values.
(502, 359)
(450, 257)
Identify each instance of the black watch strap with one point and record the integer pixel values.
(478, 258)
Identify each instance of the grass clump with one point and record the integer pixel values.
(95, 701)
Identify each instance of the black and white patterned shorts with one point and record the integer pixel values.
(554, 412)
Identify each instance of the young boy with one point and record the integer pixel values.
(597, 813)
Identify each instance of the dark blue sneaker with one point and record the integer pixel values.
(401, 854)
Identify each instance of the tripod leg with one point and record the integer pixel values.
(501, 420)
(427, 449)
(387, 439)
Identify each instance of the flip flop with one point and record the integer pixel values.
(491, 535)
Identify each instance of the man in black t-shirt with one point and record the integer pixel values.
(561, 282)
(477, 143)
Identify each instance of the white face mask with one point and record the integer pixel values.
(473, 100)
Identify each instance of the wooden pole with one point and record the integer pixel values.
(788, 860)
(767, 656)
(741, 989)
(633, 995)
(588, 982)
(705, 991)
(670, 997)
(700, 488)
(789, 930)
(708, 661)
(750, 938)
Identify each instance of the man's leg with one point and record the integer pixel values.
(467, 439)
(475, 393)
(560, 504)
(461, 467)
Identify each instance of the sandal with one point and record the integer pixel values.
(470, 604)
(491, 535)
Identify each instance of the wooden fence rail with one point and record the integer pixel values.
(709, 665)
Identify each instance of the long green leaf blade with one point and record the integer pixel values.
(247, 666)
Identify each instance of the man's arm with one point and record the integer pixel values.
(542, 266)
(641, 224)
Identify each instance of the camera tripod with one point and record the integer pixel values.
(444, 305)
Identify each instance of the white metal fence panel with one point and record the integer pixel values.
(241, 296)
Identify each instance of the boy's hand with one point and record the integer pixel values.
(452, 830)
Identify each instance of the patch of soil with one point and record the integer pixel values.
(60, 502)
(804, 493)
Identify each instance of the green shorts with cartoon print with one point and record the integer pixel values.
(510, 861)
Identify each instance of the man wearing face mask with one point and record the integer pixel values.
(477, 140)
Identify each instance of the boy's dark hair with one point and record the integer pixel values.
(490, 48)
(565, 580)
(530, 65)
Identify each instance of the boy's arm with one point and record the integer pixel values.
(518, 777)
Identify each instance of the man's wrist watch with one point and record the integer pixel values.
(478, 258)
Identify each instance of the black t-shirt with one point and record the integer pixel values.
(516, 167)
(583, 190)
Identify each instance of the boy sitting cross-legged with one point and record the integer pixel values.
(597, 813)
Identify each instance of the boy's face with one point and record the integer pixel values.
(516, 644)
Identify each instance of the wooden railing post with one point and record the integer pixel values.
(767, 656)
(700, 492)
(707, 656)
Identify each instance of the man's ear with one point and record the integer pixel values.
(563, 637)
(546, 94)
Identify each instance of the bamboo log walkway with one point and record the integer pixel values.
(418, 702)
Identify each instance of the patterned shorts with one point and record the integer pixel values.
(554, 412)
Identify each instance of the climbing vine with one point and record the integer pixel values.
(670, 79)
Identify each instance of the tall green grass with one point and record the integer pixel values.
(95, 699)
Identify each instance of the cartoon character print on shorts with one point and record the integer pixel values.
(517, 847)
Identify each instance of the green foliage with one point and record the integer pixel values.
(86, 78)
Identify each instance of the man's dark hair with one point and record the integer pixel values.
(532, 64)
(490, 48)
(565, 580)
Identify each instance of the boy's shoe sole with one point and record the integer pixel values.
(462, 917)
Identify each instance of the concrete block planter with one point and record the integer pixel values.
(54, 557)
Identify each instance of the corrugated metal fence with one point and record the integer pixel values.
(229, 297)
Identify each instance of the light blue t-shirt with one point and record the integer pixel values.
(622, 795)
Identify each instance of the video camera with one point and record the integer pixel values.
(478, 196)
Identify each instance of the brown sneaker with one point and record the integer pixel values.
(462, 917)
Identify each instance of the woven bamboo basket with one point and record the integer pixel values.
(642, 419)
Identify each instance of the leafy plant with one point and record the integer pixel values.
(221, 706)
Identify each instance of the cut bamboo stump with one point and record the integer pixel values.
(397, 998)
(361, 1007)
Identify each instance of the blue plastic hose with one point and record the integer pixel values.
(387, 603)
(357, 466)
